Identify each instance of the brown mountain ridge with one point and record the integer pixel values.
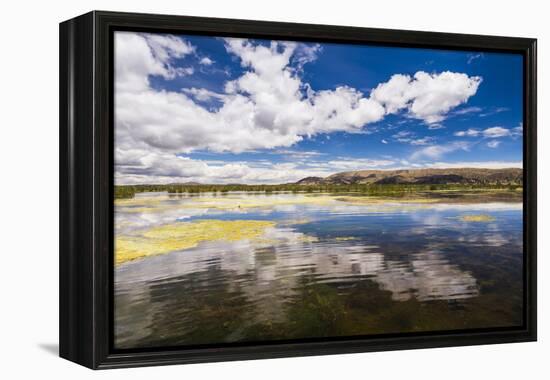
(466, 176)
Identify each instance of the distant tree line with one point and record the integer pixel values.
(129, 191)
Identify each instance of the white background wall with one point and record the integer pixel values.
(29, 187)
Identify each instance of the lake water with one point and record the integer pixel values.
(326, 266)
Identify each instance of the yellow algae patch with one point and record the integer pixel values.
(144, 205)
(141, 201)
(384, 200)
(297, 221)
(345, 238)
(145, 209)
(257, 202)
(178, 236)
(477, 218)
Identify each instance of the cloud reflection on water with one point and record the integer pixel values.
(403, 250)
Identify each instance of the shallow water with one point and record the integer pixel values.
(327, 268)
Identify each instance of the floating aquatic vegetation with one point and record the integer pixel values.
(345, 238)
(230, 202)
(477, 218)
(184, 235)
(385, 200)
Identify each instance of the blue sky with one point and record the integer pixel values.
(253, 111)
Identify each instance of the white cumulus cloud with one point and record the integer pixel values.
(475, 164)
(437, 151)
(264, 108)
(425, 96)
(268, 106)
(472, 132)
(206, 61)
(496, 132)
(490, 133)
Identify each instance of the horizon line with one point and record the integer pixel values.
(347, 171)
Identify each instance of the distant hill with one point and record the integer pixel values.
(421, 176)
(185, 184)
(311, 181)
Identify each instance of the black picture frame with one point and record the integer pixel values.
(86, 187)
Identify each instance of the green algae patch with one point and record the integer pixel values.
(477, 218)
(184, 235)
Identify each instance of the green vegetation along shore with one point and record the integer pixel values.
(129, 191)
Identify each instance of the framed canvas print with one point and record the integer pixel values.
(238, 189)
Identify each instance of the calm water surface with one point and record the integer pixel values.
(332, 268)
